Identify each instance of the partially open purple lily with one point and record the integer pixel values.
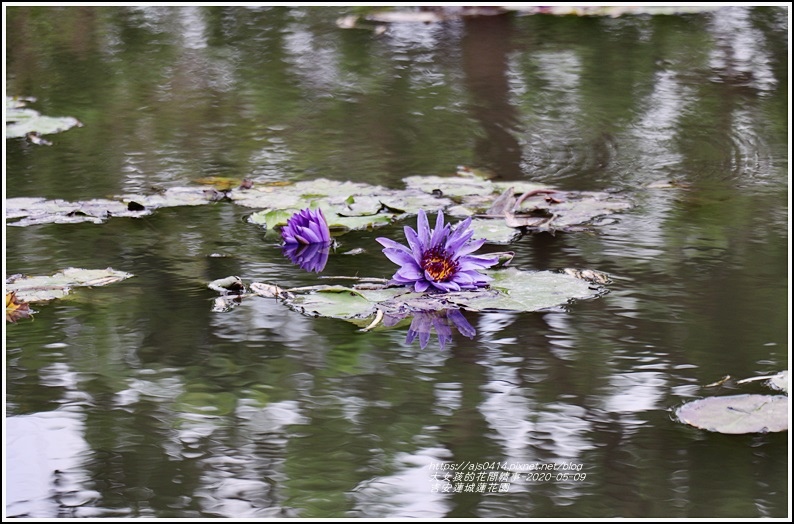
(307, 226)
(438, 259)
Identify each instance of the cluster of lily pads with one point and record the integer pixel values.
(439, 260)
(439, 273)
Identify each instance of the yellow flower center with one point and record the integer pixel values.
(438, 264)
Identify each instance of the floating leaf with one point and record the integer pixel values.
(511, 289)
(537, 208)
(353, 206)
(177, 196)
(346, 205)
(22, 121)
(611, 11)
(494, 231)
(560, 211)
(15, 308)
(780, 382)
(44, 288)
(736, 414)
(34, 211)
(222, 183)
(596, 277)
(423, 15)
(228, 286)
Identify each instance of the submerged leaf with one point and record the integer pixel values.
(736, 414)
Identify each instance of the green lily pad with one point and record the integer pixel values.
(44, 288)
(21, 120)
(346, 205)
(511, 289)
(737, 414)
(494, 231)
(355, 206)
(273, 218)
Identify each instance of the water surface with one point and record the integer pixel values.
(137, 400)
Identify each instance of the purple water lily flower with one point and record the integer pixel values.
(307, 226)
(438, 259)
(311, 257)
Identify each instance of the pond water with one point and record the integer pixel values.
(138, 400)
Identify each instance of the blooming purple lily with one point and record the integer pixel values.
(438, 259)
(307, 226)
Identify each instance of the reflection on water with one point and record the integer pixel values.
(138, 400)
(310, 257)
(423, 323)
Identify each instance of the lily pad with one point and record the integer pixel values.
(16, 309)
(355, 206)
(21, 120)
(780, 382)
(737, 414)
(561, 211)
(610, 11)
(346, 205)
(525, 205)
(511, 289)
(44, 288)
(494, 231)
(273, 218)
(34, 211)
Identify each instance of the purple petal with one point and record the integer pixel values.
(471, 247)
(306, 227)
(446, 286)
(466, 329)
(399, 257)
(476, 261)
(409, 273)
(424, 338)
(389, 243)
(424, 228)
(417, 247)
(421, 286)
(440, 231)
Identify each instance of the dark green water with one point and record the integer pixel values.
(136, 400)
